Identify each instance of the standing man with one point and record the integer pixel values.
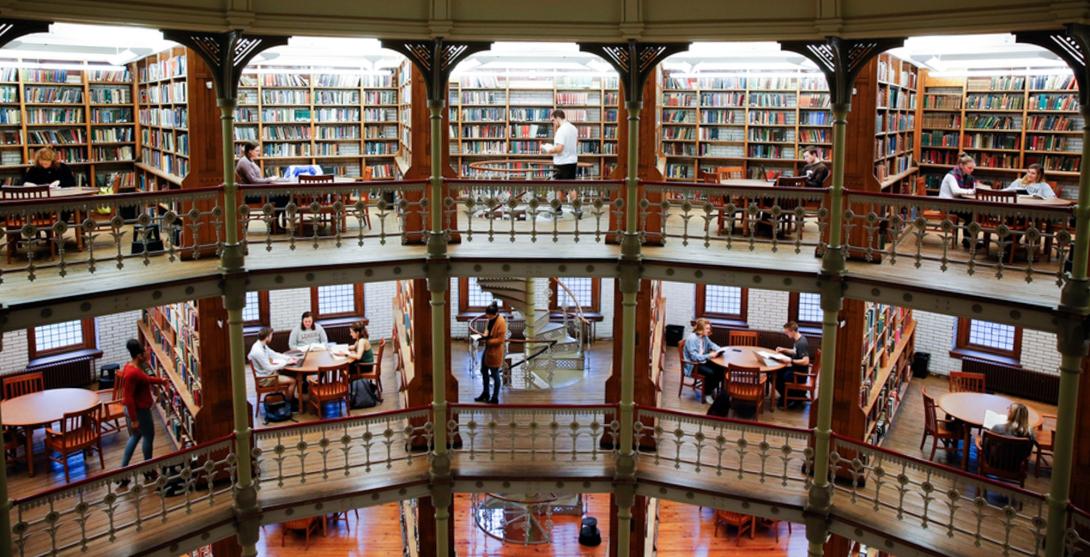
(136, 396)
(799, 353)
(495, 340)
(564, 151)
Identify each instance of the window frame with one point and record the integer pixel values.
(734, 319)
(595, 296)
(87, 331)
(964, 348)
(263, 315)
(357, 304)
(793, 301)
(467, 312)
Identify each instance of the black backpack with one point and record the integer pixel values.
(588, 532)
(720, 407)
(362, 394)
(277, 408)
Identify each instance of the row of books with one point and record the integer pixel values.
(938, 138)
(59, 95)
(57, 136)
(54, 116)
(993, 101)
(111, 115)
(894, 122)
(285, 96)
(111, 135)
(772, 135)
(157, 139)
(11, 137)
(484, 131)
(737, 117)
(893, 165)
(893, 97)
(110, 95)
(721, 134)
(1054, 123)
(573, 98)
(944, 102)
(177, 117)
(285, 149)
(947, 121)
(1054, 102)
(991, 141)
(47, 76)
(887, 72)
(771, 152)
(1056, 163)
(115, 153)
(679, 149)
(1053, 143)
(164, 93)
(769, 117)
(997, 83)
(773, 100)
(170, 68)
(723, 151)
(287, 133)
(1052, 82)
(993, 122)
(337, 149)
(998, 160)
(722, 99)
(937, 156)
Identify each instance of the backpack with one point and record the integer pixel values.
(588, 532)
(277, 408)
(720, 407)
(362, 394)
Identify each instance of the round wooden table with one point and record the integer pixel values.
(41, 409)
(747, 356)
(314, 359)
(1031, 201)
(970, 409)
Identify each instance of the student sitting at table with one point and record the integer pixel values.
(306, 333)
(1033, 183)
(46, 169)
(360, 352)
(699, 350)
(815, 170)
(959, 182)
(267, 362)
(1017, 424)
(799, 353)
(248, 172)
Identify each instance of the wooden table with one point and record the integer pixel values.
(41, 409)
(746, 182)
(747, 356)
(310, 364)
(970, 408)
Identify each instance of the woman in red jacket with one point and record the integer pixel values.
(136, 396)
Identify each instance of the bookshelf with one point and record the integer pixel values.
(199, 377)
(341, 122)
(1005, 122)
(507, 116)
(404, 115)
(888, 347)
(85, 115)
(758, 122)
(895, 125)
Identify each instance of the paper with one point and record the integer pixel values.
(546, 146)
(317, 347)
(774, 356)
(992, 419)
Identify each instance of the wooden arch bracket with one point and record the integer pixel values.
(635, 61)
(435, 59)
(1072, 45)
(226, 53)
(11, 29)
(841, 60)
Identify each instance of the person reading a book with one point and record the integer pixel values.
(799, 352)
(699, 351)
(360, 352)
(1016, 425)
(307, 333)
(815, 170)
(959, 182)
(563, 150)
(268, 362)
(1033, 183)
(47, 169)
(494, 337)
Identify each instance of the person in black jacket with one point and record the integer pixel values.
(46, 169)
(815, 170)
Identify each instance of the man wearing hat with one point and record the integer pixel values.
(495, 339)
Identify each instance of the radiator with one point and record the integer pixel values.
(1011, 380)
(75, 372)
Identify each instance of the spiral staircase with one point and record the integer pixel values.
(553, 353)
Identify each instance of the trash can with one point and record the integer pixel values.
(920, 362)
(106, 376)
(674, 334)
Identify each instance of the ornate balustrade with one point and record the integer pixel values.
(979, 237)
(532, 434)
(575, 210)
(944, 507)
(1078, 532)
(193, 487)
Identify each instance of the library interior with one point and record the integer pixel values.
(431, 297)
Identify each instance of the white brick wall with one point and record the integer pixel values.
(680, 303)
(935, 335)
(286, 306)
(767, 309)
(111, 331)
(13, 357)
(1039, 352)
(378, 304)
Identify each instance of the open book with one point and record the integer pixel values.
(782, 358)
(53, 184)
(992, 419)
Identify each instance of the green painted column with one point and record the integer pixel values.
(832, 266)
(1072, 344)
(5, 519)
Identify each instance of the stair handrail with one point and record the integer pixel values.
(565, 312)
(547, 350)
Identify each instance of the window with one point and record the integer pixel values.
(587, 293)
(721, 302)
(56, 338)
(256, 312)
(804, 308)
(992, 339)
(473, 300)
(339, 301)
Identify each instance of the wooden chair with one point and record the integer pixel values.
(695, 382)
(324, 214)
(13, 224)
(746, 384)
(375, 373)
(730, 172)
(1004, 457)
(330, 384)
(791, 181)
(263, 391)
(936, 428)
(739, 521)
(1046, 432)
(773, 525)
(990, 223)
(13, 440)
(934, 218)
(79, 433)
(742, 338)
(368, 175)
(966, 382)
(23, 384)
(805, 383)
(113, 409)
(307, 525)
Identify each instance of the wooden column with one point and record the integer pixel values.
(419, 388)
(647, 165)
(1080, 467)
(419, 164)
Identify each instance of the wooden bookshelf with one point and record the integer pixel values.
(199, 376)
(895, 123)
(341, 122)
(85, 115)
(404, 157)
(1005, 122)
(758, 122)
(508, 117)
(163, 93)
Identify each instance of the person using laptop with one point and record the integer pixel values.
(699, 351)
(267, 364)
(1033, 183)
(799, 352)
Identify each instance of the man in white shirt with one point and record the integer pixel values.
(563, 148)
